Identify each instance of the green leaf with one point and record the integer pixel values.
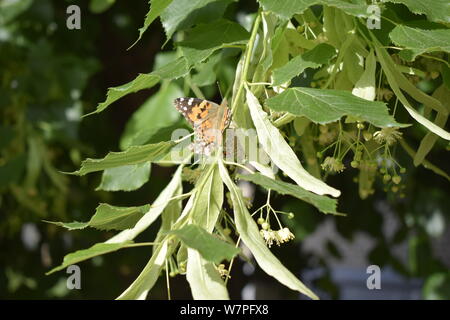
(204, 278)
(202, 275)
(154, 114)
(418, 41)
(208, 199)
(182, 256)
(204, 39)
(183, 13)
(281, 51)
(365, 86)
(427, 164)
(150, 274)
(209, 246)
(288, 8)
(138, 290)
(125, 178)
(99, 6)
(10, 9)
(352, 50)
(345, 42)
(143, 81)
(436, 10)
(180, 154)
(443, 95)
(248, 230)
(329, 22)
(397, 81)
(326, 105)
(313, 58)
(156, 134)
(301, 125)
(264, 49)
(241, 115)
(109, 217)
(96, 250)
(157, 207)
(322, 203)
(297, 40)
(265, 170)
(133, 155)
(281, 153)
(69, 225)
(156, 8)
(172, 70)
(206, 71)
(308, 148)
(170, 214)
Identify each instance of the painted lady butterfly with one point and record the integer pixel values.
(208, 119)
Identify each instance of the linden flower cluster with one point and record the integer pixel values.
(223, 271)
(388, 135)
(279, 236)
(332, 164)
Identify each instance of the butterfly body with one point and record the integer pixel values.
(208, 119)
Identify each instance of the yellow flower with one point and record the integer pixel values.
(284, 235)
(279, 236)
(269, 236)
(223, 271)
(332, 164)
(388, 135)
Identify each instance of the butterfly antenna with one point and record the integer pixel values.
(220, 91)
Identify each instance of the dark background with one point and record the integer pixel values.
(49, 73)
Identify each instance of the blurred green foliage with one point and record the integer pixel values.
(50, 76)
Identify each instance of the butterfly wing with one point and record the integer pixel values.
(185, 106)
(207, 118)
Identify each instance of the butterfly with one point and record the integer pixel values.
(208, 119)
